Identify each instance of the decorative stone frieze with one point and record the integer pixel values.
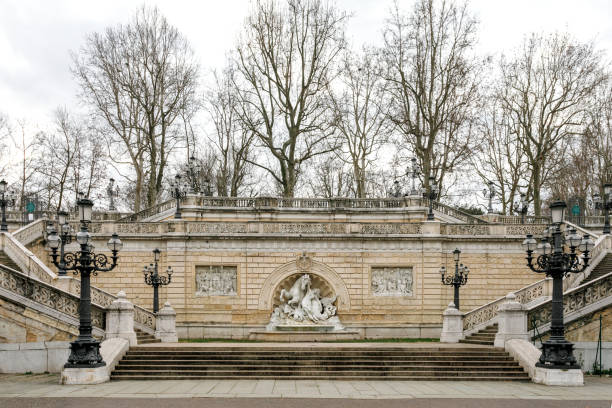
(218, 227)
(216, 280)
(392, 281)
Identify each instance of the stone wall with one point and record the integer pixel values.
(341, 253)
(586, 329)
(20, 324)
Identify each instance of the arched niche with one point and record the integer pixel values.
(322, 277)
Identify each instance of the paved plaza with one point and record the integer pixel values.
(43, 390)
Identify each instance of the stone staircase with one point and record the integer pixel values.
(603, 268)
(6, 261)
(145, 338)
(485, 337)
(302, 362)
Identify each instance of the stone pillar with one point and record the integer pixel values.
(165, 324)
(512, 322)
(452, 325)
(120, 319)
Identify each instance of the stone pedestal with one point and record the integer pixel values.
(556, 376)
(512, 322)
(452, 325)
(112, 351)
(166, 324)
(528, 356)
(120, 319)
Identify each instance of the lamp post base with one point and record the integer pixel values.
(85, 354)
(558, 354)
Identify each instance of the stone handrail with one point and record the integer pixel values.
(31, 232)
(32, 266)
(482, 316)
(26, 260)
(48, 295)
(148, 212)
(303, 203)
(580, 229)
(143, 318)
(573, 300)
(603, 246)
(17, 216)
(517, 219)
(584, 220)
(455, 213)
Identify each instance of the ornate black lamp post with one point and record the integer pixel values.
(85, 350)
(457, 280)
(6, 199)
(607, 205)
(490, 194)
(556, 263)
(178, 191)
(432, 194)
(65, 239)
(112, 191)
(152, 278)
(194, 169)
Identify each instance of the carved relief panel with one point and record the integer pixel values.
(216, 280)
(392, 281)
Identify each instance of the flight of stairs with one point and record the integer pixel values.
(484, 337)
(603, 268)
(145, 338)
(6, 261)
(307, 363)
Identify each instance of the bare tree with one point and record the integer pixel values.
(361, 117)
(598, 135)
(544, 88)
(433, 79)
(498, 157)
(232, 141)
(139, 78)
(285, 60)
(25, 144)
(5, 136)
(59, 150)
(330, 178)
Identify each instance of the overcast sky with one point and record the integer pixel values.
(37, 36)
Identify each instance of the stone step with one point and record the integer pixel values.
(254, 357)
(482, 342)
(120, 368)
(435, 361)
(314, 352)
(325, 373)
(145, 338)
(368, 362)
(487, 377)
(6, 261)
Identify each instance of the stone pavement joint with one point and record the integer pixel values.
(46, 386)
(288, 402)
